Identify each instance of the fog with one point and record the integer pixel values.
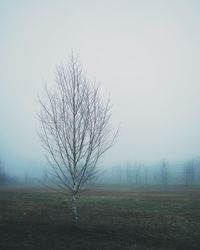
(144, 53)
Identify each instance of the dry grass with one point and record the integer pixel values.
(111, 218)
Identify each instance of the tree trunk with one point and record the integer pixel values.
(74, 210)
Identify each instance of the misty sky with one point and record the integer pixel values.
(144, 52)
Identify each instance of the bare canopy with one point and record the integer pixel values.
(75, 128)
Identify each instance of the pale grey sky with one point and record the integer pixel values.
(145, 53)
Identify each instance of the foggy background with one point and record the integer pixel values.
(144, 53)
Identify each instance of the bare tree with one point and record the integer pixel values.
(146, 175)
(189, 169)
(129, 173)
(118, 171)
(75, 129)
(198, 170)
(3, 176)
(164, 170)
(137, 169)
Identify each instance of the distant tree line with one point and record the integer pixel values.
(163, 173)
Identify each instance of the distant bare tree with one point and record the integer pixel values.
(118, 170)
(75, 129)
(129, 173)
(137, 169)
(189, 169)
(3, 175)
(146, 175)
(164, 171)
(198, 169)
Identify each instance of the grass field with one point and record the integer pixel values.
(111, 218)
